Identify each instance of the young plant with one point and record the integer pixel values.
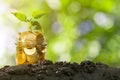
(32, 22)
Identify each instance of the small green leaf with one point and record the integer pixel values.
(36, 25)
(37, 14)
(20, 16)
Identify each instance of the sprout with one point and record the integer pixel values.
(32, 22)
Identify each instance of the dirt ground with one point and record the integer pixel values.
(47, 70)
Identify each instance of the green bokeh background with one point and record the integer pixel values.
(77, 30)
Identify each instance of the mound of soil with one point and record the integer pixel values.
(47, 70)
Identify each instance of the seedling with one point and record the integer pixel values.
(32, 22)
(31, 46)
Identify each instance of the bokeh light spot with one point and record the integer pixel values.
(103, 20)
(54, 4)
(94, 49)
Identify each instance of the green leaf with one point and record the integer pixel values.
(36, 25)
(20, 16)
(37, 14)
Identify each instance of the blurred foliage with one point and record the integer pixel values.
(78, 30)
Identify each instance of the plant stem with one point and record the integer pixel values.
(30, 24)
(30, 27)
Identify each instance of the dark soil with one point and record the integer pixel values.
(47, 70)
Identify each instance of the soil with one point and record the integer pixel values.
(47, 70)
